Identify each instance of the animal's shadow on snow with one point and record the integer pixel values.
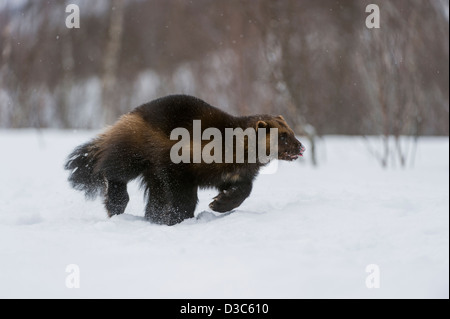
(208, 216)
(201, 218)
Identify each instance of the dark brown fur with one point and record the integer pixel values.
(138, 145)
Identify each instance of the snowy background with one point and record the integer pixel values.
(305, 232)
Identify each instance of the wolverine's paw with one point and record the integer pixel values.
(221, 207)
(222, 204)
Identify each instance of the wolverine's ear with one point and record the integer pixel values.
(281, 117)
(261, 124)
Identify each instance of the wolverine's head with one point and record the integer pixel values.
(289, 148)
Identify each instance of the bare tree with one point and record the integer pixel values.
(389, 61)
(111, 61)
(286, 53)
(313, 61)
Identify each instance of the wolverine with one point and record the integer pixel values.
(139, 145)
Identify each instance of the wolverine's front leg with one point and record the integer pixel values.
(231, 197)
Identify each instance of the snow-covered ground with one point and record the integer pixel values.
(303, 232)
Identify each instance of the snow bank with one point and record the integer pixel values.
(303, 233)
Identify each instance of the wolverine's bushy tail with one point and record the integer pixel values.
(82, 164)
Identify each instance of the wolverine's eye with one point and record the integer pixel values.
(283, 137)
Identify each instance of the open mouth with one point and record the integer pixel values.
(302, 149)
(289, 157)
(286, 156)
(292, 157)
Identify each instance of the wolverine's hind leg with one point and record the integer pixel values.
(171, 199)
(116, 197)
